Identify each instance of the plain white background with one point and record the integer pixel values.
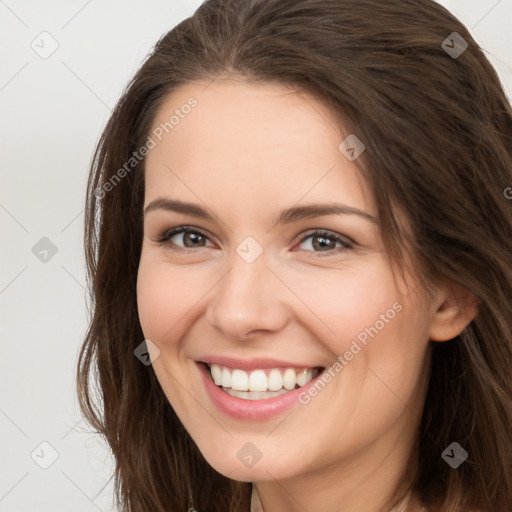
(53, 110)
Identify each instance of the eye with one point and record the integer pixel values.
(320, 241)
(326, 242)
(190, 238)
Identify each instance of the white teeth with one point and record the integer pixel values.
(239, 381)
(274, 380)
(303, 378)
(289, 378)
(257, 381)
(255, 395)
(226, 378)
(216, 374)
(259, 384)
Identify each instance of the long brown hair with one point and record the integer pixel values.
(438, 134)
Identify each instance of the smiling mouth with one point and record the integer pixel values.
(262, 383)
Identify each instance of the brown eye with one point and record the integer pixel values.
(185, 237)
(326, 242)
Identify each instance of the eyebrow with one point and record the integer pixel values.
(287, 216)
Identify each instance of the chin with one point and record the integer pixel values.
(248, 464)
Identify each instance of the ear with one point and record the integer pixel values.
(457, 308)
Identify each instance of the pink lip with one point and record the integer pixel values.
(252, 410)
(253, 364)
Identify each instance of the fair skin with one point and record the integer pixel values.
(245, 153)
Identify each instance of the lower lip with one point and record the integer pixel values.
(252, 410)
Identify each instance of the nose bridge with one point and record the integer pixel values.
(247, 298)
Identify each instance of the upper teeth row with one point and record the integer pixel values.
(258, 380)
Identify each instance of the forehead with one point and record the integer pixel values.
(243, 139)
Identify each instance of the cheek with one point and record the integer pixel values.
(164, 298)
(357, 304)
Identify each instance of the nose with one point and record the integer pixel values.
(248, 300)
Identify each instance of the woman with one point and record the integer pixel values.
(298, 239)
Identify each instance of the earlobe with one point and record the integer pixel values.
(457, 309)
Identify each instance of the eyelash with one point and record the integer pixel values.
(346, 243)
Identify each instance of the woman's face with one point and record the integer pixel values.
(269, 289)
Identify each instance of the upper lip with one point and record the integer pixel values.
(253, 364)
